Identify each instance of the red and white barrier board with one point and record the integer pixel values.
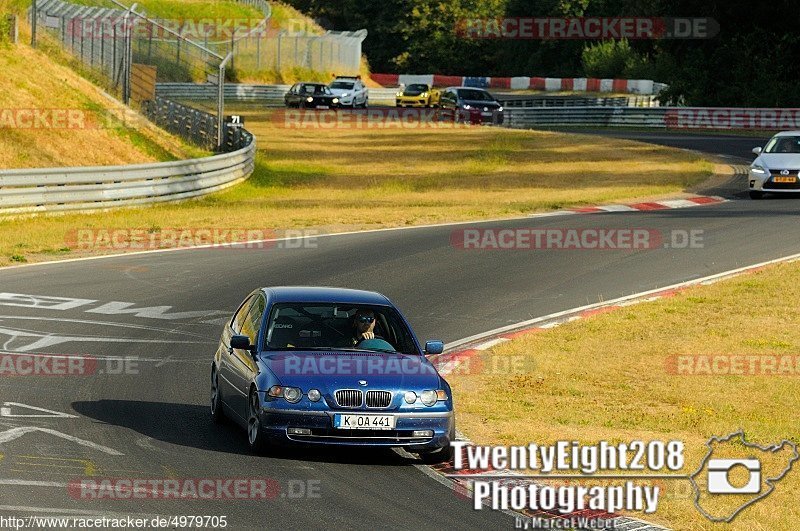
(552, 84)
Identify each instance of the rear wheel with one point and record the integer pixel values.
(756, 195)
(255, 436)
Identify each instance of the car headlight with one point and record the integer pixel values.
(314, 395)
(335, 100)
(423, 95)
(499, 109)
(467, 107)
(428, 397)
(755, 168)
(290, 394)
(410, 397)
(309, 99)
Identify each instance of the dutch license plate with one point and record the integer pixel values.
(344, 421)
(486, 114)
(785, 179)
(323, 107)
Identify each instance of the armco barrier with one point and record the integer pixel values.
(270, 95)
(88, 188)
(655, 117)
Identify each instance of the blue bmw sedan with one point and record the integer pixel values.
(302, 365)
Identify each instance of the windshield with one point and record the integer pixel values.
(318, 326)
(417, 88)
(314, 89)
(475, 95)
(783, 144)
(343, 85)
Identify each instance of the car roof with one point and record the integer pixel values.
(324, 294)
(315, 84)
(788, 133)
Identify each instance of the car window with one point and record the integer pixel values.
(252, 322)
(323, 327)
(475, 95)
(783, 144)
(342, 85)
(241, 313)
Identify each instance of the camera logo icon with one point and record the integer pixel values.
(719, 471)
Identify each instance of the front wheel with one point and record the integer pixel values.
(756, 195)
(217, 414)
(255, 436)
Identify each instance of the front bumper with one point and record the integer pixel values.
(276, 422)
(408, 101)
(760, 182)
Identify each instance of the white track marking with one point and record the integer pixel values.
(5, 411)
(616, 302)
(15, 433)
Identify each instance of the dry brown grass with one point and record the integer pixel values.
(335, 180)
(606, 378)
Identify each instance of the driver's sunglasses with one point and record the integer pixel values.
(365, 319)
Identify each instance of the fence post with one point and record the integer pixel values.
(34, 16)
(280, 34)
(128, 57)
(221, 100)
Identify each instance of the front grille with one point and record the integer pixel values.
(379, 398)
(778, 172)
(349, 397)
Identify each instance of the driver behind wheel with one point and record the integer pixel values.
(363, 326)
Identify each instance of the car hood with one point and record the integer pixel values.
(779, 161)
(329, 371)
(339, 92)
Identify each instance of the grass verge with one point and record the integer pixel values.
(613, 377)
(336, 180)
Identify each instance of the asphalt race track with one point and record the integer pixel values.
(149, 418)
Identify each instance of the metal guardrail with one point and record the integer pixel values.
(101, 187)
(270, 95)
(586, 117)
(522, 100)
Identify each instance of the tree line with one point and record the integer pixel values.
(750, 56)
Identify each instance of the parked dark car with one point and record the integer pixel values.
(311, 96)
(470, 105)
(330, 366)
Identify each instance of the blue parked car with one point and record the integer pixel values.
(306, 366)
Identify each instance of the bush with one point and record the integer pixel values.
(611, 59)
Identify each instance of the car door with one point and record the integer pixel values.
(291, 97)
(227, 378)
(243, 366)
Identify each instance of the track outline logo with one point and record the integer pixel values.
(770, 481)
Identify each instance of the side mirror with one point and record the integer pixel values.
(240, 342)
(434, 347)
(757, 150)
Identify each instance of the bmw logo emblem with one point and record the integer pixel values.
(785, 172)
(362, 383)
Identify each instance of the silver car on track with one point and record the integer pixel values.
(777, 166)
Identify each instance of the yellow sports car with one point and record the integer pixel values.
(418, 95)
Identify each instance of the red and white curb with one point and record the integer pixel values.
(649, 206)
(462, 350)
